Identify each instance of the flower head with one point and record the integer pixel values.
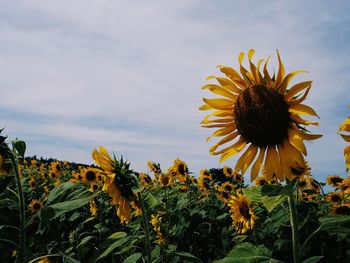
(243, 216)
(261, 113)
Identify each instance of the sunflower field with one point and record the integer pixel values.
(60, 211)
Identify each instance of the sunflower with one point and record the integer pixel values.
(334, 197)
(93, 208)
(228, 171)
(262, 113)
(341, 209)
(260, 181)
(334, 180)
(35, 205)
(224, 191)
(119, 182)
(243, 216)
(155, 222)
(345, 127)
(56, 168)
(32, 183)
(89, 175)
(181, 170)
(205, 181)
(155, 168)
(166, 179)
(145, 179)
(344, 186)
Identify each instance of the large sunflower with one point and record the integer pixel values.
(345, 127)
(261, 113)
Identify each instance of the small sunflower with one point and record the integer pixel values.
(334, 180)
(93, 208)
(32, 183)
(260, 181)
(228, 171)
(89, 175)
(145, 179)
(56, 168)
(263, 113)
(243, 216)
(343, 209)
(181, 170)
(155, 168)
(334, 197)
(155, 222)
(344, 186)
(345, 127)
(35, 206)
(224, 191)
(119, 182)
(205, 181)
(167, 179)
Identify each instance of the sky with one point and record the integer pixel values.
(128, 74)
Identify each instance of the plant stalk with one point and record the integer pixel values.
(295, 233)
(146, 226)
(22, 241)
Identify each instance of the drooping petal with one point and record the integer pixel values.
(296, 141)
(226, 139)
(233, 75)
(257, 165)
(222, 132)
(246, 159)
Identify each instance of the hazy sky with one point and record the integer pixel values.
(128, 74)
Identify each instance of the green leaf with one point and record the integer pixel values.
(58, 209)
(20, 147)
(270, 202)
(155, 252)
(112, 247)
(187, 256)
(85, 240)
(4, 182)
(133, 258)
(151, 201)
(253, 193)
(313, 259)
(248, 253)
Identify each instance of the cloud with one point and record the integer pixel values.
(128, 74)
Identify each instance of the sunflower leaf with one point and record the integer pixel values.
(313, 259)
(133, 258)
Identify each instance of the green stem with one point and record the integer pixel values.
(294, 224)
(146, 226)
(22, 240)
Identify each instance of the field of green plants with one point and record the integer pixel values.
(60, 211)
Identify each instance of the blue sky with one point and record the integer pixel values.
(127, 74)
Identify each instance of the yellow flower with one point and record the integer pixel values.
(228, 171)
(341, 209)
(263, 114)
(56, 169)
(35, 206)
(205, 181)
(155, 222)
(345, 127)
(103, 159)
(118, 183)
(93, 208)
(334, 180)
(166, 179)
(334, 197)
(32, 183)
(243, 216)
(145, 179)
(155, 168)
(181, 170)
(43, 260)
(89, 175)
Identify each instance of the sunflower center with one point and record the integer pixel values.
(90, 175)
(36, 206)
(244, 209)
(262, 116)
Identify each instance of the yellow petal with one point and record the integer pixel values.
(345, 137)
(282, 88)
(222, 132)
(296, 89)
(205, 107)
(267, 77)
(233, 75)
(220, 104)
(302, 109)
(246, 159)
(220, 91)
(219, 125)
(299, 120)
(299, 100)
(280, 74)
(257, 165)
(224, 120)
(296, 141)
(226, 139)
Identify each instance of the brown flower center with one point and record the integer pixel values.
(262, 116)
(90, 176)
